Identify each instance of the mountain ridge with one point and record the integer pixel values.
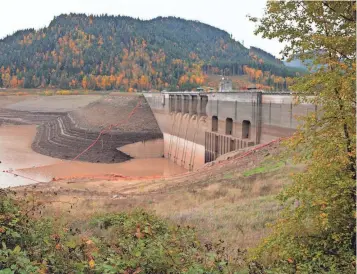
(121, 52)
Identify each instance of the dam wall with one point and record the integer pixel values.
(198, 127)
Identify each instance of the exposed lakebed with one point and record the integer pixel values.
(32, 145)
(16, 154)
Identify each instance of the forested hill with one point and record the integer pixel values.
(119, 52)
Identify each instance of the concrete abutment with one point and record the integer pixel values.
(198, 127)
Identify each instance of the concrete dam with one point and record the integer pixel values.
(128, 135)
(198, 127)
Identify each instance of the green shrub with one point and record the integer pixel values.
(316, 232)
(134, 242)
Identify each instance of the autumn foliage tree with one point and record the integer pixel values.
(267, 80)
(118, 52)
(316, 233)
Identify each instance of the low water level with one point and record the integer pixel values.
(16, 154)
(145, 149)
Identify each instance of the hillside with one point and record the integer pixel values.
(117, 52)
(229, 201)
(296, 63)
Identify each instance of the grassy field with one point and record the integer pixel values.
(231, 206)
(232, 202)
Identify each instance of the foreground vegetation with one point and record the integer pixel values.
(316, 233)
(135, 242)
(223, 210)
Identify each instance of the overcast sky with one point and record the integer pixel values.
(229, 15)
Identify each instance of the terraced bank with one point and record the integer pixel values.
(15, 117)
(66, 134)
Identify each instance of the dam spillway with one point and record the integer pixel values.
(198, 127)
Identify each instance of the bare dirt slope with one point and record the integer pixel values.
(57, 103)
(110, 110)
(70, 124)
(232, 200)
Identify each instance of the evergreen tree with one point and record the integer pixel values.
(116, 51)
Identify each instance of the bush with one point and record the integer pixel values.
(135, 242)
(63, 92)
(48, 93)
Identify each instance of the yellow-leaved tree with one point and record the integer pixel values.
(316, 231)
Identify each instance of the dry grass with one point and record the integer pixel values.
(63, 92)
(222, 202)
(48, 91)
(235, 210)
(17, 93)
(229, 206)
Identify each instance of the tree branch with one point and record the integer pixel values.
(325, 3)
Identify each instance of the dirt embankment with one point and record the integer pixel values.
(75, 126)
(231, 200)
(15, 117)
(69, 135)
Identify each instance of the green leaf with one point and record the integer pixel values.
(17, 249)
(71, 244)
(7, 271)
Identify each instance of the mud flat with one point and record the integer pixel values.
(46, 104)
(40, 137)
(15, 117)
(68, 135)
(16, 155)
(67, 125)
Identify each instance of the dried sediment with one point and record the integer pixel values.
(66, 134)
(112, 110)
(15, 117)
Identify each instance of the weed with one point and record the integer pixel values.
(132, 242)
(264, 168)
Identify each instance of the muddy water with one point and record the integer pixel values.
(145, 149)
(16, 154)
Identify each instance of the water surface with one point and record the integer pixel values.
(145, 149)
(16, 154)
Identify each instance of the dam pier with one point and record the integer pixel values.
(198, 127)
